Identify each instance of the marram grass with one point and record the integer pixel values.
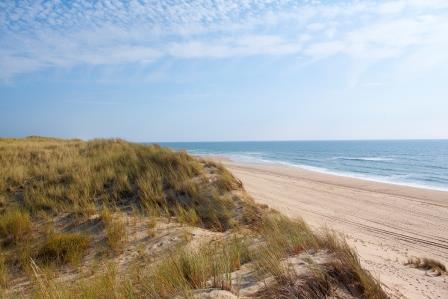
(49, 186)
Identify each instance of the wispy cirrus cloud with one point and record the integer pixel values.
(37, 35)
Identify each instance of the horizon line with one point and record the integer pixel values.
(302, 140)
(228, 141)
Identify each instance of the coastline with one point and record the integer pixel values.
(338, 173)
(386, 223)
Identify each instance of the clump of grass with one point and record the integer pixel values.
(427, 264)
(209, 266)
(4, 273)
(115, 233)
(150, 227)
(15, 225)
(225, 180)
(104, 285)
(106, 215)
(285, 237)
(346, 269)
(290, 285)
(150, 188)
(186, 215)
(63, 248)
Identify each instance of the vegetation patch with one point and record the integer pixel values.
(209, 266)
(65, 184)
(62, 248)
(427, 264)
(15, 225)
(53, 176)
(116, 234)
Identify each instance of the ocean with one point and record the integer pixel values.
(418, 163)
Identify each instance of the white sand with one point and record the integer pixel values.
(386, 223)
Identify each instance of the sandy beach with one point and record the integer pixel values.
(386, 223)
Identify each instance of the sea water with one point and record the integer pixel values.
(420, 163)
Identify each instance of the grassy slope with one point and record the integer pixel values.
(94, 185)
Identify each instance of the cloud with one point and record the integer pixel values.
(37, 35)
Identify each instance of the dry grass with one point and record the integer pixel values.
(62, 248)
(57, 175)
(150, 227)
(285, 237)
(115, 229)
(54, 176)
(427, 264)
(104, 285)
(184, 270)
(177, 275)
(4, 275)
(15, 225)
(42, 179)
(116, 236)
(209, 266)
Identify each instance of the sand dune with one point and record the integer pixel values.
(386, 223)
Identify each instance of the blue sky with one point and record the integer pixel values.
(224, 70)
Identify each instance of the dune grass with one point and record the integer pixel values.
(54, 176)
(209, 266)
(62, 248)
(4, 275)
(427, 264)
(179, 274)
(42, 179)
(285, 237)
(116, 234)
(182, 270)
(15, 225)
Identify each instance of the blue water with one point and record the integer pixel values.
(422, 163)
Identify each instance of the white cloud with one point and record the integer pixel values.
(54, 34)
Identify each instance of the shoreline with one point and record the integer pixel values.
(226, 159)
(386, 223)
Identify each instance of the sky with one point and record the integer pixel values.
(177, 70)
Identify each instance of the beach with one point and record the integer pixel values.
(386, 223)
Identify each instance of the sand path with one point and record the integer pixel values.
(386, 223)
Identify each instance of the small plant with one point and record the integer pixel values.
(187, 215)
(115, 234)
(15, 225)
(62, 248)
(150, 227)
(426, 264)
